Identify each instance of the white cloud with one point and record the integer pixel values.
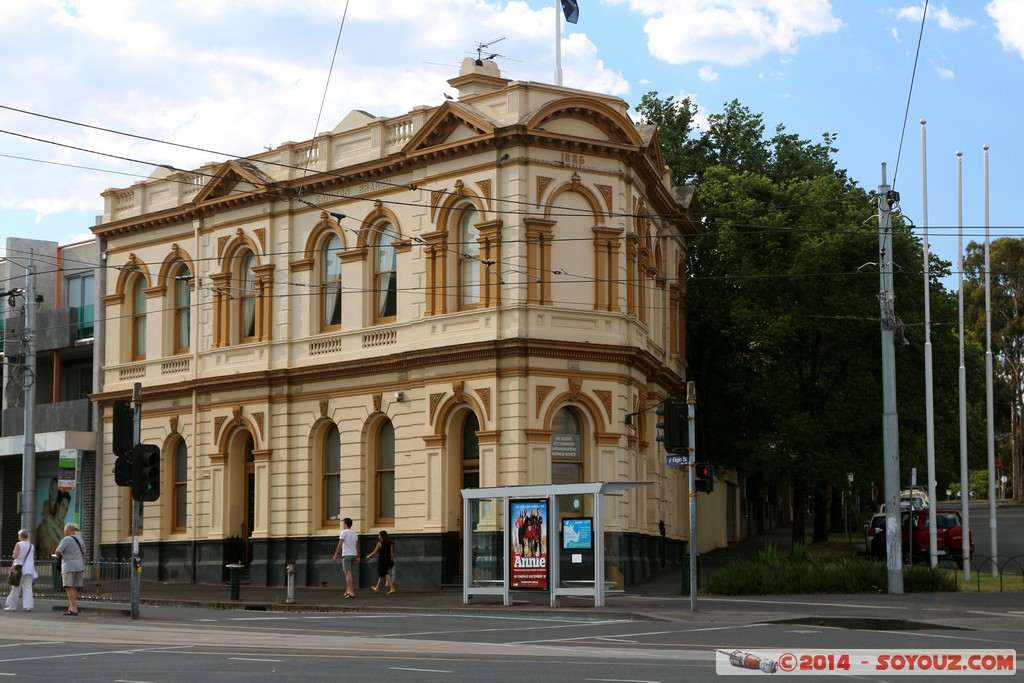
(946, 19)
(943, 72)
(1009, 18)
(733, 33)
(706, 73)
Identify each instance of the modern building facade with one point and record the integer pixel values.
(487, 292)
(61, 377)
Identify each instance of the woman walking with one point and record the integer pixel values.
(24, 557)
(385, 552)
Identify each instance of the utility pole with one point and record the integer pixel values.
(890, 420)
(136, 507)
(28, 459)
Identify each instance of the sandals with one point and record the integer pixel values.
(350, 595)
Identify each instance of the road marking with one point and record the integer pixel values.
(253, 659)
(620, 680)
(427, 671)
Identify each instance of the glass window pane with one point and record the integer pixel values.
(566, 473)
(139, 318)
(182, 309)
(386, 496)
(248, 293)
(386, 447)
(469, 256)
(385, 275)
(330, 278)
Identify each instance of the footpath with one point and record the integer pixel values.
(661, 598)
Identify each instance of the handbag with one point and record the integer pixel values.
(15, 576)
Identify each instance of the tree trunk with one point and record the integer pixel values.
(799, 518)
(820, 516)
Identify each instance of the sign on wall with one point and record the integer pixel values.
(578, 533)
(529, 539)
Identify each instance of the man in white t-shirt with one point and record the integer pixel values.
(348, 546)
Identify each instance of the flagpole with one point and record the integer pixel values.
(965, 484)
(988, 390)
(558, 43)
(929, 396)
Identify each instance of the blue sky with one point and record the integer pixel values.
(234, 77)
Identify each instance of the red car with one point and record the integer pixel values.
(949, 536)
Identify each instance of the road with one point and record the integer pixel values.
(182, 644)
(1009, 527)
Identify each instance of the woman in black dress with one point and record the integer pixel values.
(385, 552)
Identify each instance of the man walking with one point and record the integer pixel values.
(71, 552)
(348, 546)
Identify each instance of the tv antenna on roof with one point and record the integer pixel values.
(482, 47)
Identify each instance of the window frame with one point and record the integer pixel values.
(137, 330)
(384, 474)
(330, 477)
(470, 273)
(330, 256)
(246, 294)
(390, 291)
(179, 487)
(181, 304)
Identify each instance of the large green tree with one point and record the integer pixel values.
(1006, 303)
(783, 334)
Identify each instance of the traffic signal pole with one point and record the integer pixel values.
(691, 403)
(136, 507)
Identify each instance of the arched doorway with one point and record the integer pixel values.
(240, 495)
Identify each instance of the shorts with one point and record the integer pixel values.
(72, 579)
(348, 563)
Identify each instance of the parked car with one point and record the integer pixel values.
(949, 535)
(876, 524)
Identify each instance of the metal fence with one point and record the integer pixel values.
(104, 581)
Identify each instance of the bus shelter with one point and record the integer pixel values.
(545, 537)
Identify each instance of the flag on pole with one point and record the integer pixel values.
(571, 8)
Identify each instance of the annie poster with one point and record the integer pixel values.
(529, 519)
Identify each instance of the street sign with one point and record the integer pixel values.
(999, 464)
(677, 460)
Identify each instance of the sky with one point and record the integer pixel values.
(236, 76)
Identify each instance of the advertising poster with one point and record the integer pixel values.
(55, 507)
(529, 533)
(578, 533)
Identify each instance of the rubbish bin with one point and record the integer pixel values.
(58, 585)
(235, 577)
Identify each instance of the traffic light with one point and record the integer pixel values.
(704, 477)
(123, 469)
(673, 427)
(146, 472)
(123, 428)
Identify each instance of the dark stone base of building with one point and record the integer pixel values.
(422, 561)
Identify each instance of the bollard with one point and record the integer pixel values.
(290, 573)
(235, 575)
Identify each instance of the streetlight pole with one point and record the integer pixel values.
(28, 459)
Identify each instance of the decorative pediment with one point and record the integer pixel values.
(234, 177)
(583, 117)
(450, 124)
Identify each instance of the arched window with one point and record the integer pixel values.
(330, 283)
(566, 448)
(179, 487)
(138, 316)
(182, 307)
(247, 296)
(385, 273)
(470, 452)
(469, 256)
(331, 449)
(385, 473)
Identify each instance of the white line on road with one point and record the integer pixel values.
(253, 659)
(426, 671)
(620, 680)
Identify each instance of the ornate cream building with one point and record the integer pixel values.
(362, 324)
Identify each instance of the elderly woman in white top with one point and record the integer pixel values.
(24, 556)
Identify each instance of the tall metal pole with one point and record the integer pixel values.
(28, 459)
(965, 485)
(136, 508)
(558, 43)
(988, 392)
(691, 404)
(890, 421)
(929, 392)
